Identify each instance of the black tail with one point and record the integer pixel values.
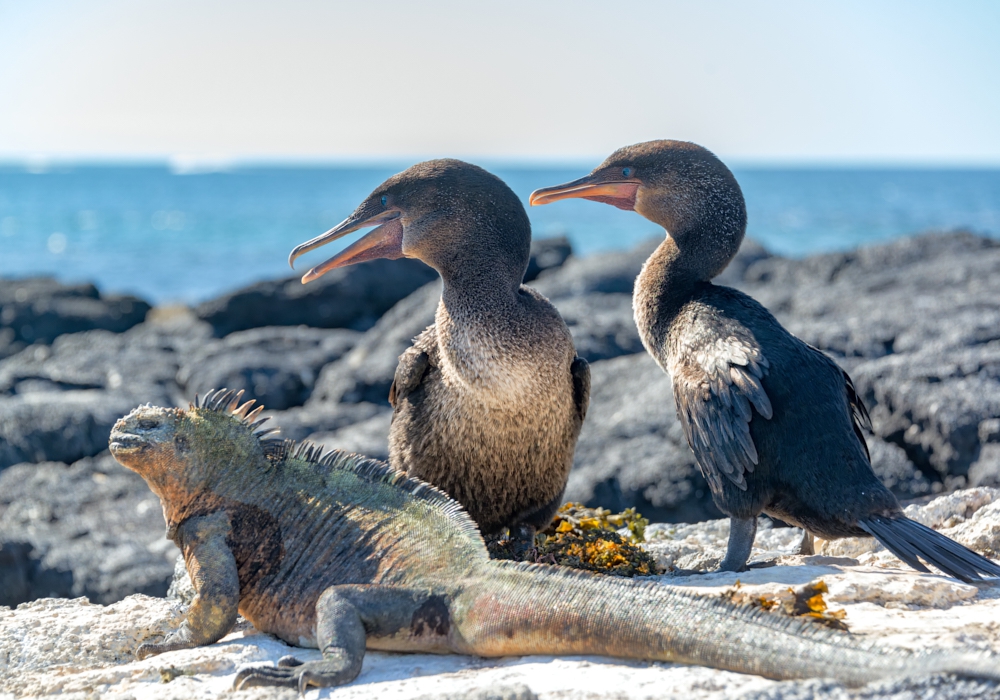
(909, 540)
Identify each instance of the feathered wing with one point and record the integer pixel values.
(717, 385)
(580, 371)
(410, 372)
(860, 419)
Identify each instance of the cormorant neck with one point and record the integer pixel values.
(670, 275)
(479, 286)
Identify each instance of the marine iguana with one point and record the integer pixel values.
(343, 553)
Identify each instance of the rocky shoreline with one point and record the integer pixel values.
(915, 321)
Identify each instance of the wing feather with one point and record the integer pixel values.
(717, 387)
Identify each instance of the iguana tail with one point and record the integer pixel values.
(521, 609)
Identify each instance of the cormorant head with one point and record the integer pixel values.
(454, 216)
(678, 185)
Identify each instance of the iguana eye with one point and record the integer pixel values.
(148, 424)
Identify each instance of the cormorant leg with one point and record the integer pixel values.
(741, 534)
(522, 540)
(340, 634)
(806, 547)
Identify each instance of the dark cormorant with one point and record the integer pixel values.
(489, 400)
(776, 426)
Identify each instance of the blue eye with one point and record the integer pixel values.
(384, 200)
(626, 171)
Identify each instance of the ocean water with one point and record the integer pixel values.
(169, 237)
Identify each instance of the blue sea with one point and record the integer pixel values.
(174, 237)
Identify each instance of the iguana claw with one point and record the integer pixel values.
(292, 673)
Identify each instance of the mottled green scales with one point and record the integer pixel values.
(342, 553)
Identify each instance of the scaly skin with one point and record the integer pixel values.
(343, 553)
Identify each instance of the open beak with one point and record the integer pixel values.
(386, 241)
(618, 193)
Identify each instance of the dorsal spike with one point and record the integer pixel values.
(249, 418)
(241, 411)
(234, 400)
(210, 397)
(254, 426)
(221, 400)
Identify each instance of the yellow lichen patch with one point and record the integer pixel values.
(573, 517)
(603, 551)
(588, 538)
(805, 601)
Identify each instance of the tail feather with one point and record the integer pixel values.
(908, 540)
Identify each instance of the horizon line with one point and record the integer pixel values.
(184, 164)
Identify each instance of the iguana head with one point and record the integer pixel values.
(180, 452)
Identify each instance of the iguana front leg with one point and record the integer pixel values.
(347, 617)
(213, 573)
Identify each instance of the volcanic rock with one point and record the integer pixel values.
(38, 309)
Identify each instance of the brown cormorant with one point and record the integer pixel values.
(775, 425)
(489, 400)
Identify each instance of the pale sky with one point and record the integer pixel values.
(814, 82)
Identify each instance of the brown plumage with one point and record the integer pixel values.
(776, 426)
(489, 401)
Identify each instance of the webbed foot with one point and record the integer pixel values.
(292, 673)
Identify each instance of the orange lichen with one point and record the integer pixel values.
(589, 539)
(806, 602)
(575, 517)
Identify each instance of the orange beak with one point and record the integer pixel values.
(386, 241)
(618, 193)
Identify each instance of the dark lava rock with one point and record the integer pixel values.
(275, 366)
(369, 437)
(348, 297)
(63, 426)
(90, 529)
(39, 309)
(366, 372)
(606, 273)
(896, 471)
(306, 421)
(601, 325)
(938, 405)
(147, 355)
(547, 254)
(58, 402)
